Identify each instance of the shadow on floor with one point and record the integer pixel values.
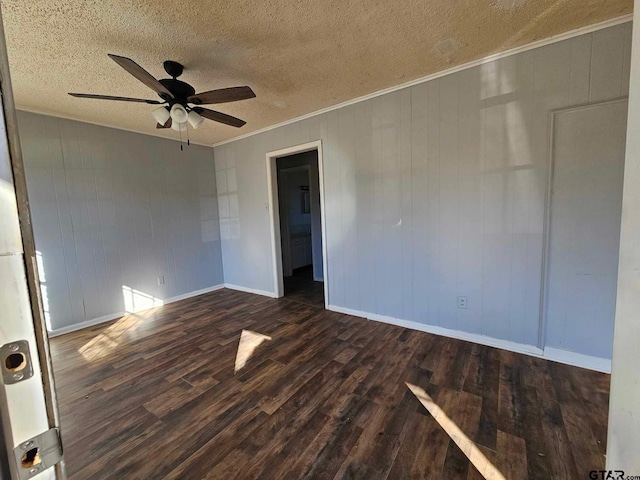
(300, 287)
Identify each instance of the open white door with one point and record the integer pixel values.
(28, 413)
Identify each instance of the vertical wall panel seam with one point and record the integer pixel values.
(541, 327)
(73, 236)
(483, 187)
(412, 190)
(115, 224)
(64, 257)
(510, 319)
(86, 204)
(428, 198)
(529, 228)
(354, 176)
(342, 173)
(104, 252)
(590, 76)
(153, 233)
(375, 153)
(440, 206)
(457, 156)
(66, 263)
(621, 90)
(358, 206)
(138, 271)
(173, 239)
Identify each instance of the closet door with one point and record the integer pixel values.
(586, 205)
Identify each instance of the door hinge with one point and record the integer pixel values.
(37, 454)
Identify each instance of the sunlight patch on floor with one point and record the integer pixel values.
(144, 306)
(468, 447)
(249, 341)
(110, 338)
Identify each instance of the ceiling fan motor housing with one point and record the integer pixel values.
(180, 90)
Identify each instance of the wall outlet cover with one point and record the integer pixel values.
(462, 302)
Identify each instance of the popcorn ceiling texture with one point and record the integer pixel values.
(299, 56)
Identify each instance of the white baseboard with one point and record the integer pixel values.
(114, 316)
(240, 288)
(445, 332)
(549, 353)
(86, 324)
(578, 359)
(348, 311)
(194, 294)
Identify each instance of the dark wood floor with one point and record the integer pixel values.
(154, 395)
(301, 287)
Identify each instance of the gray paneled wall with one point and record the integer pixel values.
(434, 191)
(112, 212)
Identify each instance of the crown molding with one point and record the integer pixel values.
(67, 117)
(474, 63)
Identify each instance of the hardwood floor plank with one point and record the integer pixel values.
(175, 396)
(81, 452)
(483, 379)
(561, 460)
(536, 448)
(212, 458)
(511, 458)
(386, 444)
(510, 401)
(583, 444)
(414, 425)
(280, 465)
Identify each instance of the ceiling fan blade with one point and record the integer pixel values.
(141, 74)
(222, 95)
(166, 125)
(119, 99)
(219, 117)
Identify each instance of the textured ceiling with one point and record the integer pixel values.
(298, 56)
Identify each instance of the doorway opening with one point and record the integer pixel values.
(297, 223)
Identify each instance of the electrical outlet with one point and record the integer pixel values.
(462, 302)
(160, 280)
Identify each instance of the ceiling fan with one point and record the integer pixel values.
(177, 96)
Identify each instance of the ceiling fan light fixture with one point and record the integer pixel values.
(179, 127)
(178, 113)
(177, 97)
(161, 115)
(194, 119)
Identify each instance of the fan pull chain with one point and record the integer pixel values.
(188, 141)
(181, 149)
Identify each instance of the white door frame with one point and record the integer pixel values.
(274, 213)
(28, 405)
(542, 320)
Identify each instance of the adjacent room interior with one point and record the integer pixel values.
(299, 208)
(378, 240)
